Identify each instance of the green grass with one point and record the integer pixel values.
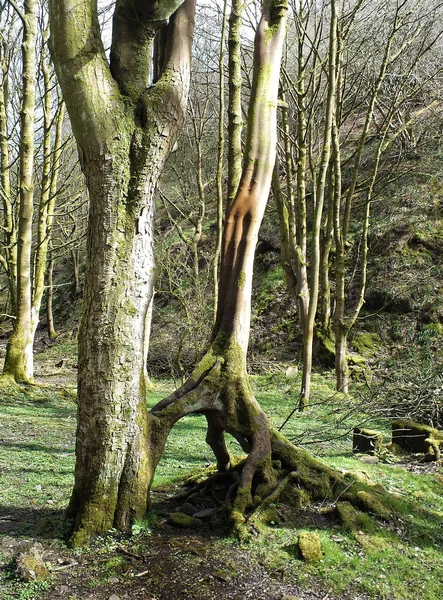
(37, 448)
(401, 561)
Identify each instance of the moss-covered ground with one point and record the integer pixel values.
(401, 559)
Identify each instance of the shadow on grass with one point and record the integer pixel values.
(37, 448)
(43, 523)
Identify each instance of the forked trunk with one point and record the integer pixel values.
(124, 131)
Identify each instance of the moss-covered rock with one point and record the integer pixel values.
(310, 547)
(179, 519)
(373, 502)
(352, 519)
(30, 565)
(366, 343)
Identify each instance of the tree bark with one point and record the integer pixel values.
(124, 131)
(8, 259)
(219, 385)
(19, 353)
(52, 334)
(235, 120)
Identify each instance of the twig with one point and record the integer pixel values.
(128, 553)
(62, 567)
(142, 573)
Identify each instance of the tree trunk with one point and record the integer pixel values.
(124, 131)
(235, 120)
(9, 258)
(49, 296)
(219, 386)
(19, 354)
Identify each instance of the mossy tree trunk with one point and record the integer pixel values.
(8, 257)
(124, 126)
(219, 386)
(19, 355)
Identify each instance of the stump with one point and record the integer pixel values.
(417, 438)
(366, 441)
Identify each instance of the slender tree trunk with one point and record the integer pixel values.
(49, 296)
(220, 156)
(146, 340)
(235, 120)
(9, 258)
(75, 270)
(19, 355)
(320, 184)
(52, 152)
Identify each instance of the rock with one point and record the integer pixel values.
(310, 547)
(114, 597)
(187, 508)
(62, 590)
(415, 437)
(179, 519)
(291, 372)
(352, 519)
(370, 460)
(205, 512)
(9, 546)
(30, 565)
(370, 501)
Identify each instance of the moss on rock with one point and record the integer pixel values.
(366, 343)
(179, 519)
(373, 503)
(352, 519)
(310, 547)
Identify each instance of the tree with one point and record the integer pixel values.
(324, 231)
(39, 154)
(19, 359)
(124, 132)
(127, 124)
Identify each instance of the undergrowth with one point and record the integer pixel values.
(402, 559)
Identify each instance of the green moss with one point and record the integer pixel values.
(296, 497)
(270, 516)
(241, 280)
(419, 427)
(352, 519)
(366, 343)
(310, 547)
(374, 503)
(179, 519)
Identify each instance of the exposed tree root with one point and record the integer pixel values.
(274, 470)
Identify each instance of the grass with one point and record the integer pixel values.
(403, 560)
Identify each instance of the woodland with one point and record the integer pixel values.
(221, 314)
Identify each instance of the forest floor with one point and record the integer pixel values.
(398, 560)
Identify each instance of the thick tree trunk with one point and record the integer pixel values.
(124, 131)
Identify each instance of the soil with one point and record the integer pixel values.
(163, 563)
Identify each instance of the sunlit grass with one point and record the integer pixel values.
(399, 561)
